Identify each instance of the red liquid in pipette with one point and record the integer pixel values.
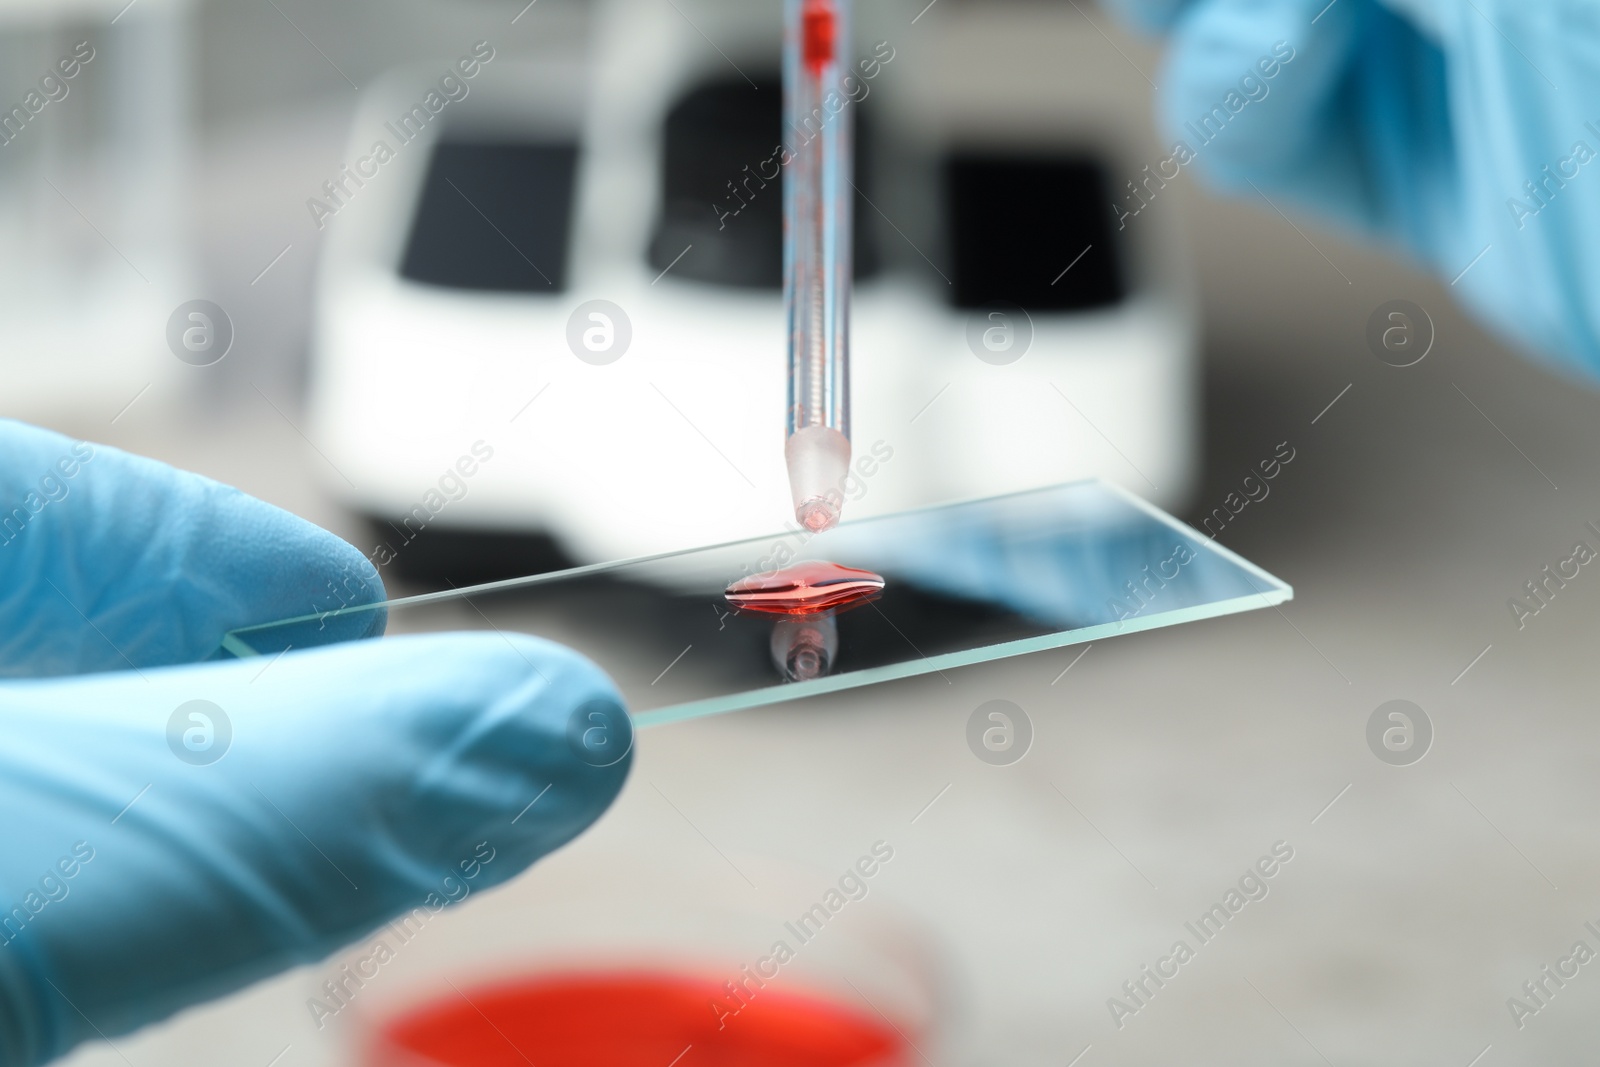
(633, 1020)
(820, 36)
(804, 589)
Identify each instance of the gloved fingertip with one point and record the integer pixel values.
(501, 738)
(568, 738)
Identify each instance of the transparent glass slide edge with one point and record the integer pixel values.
(1026, 572)
(237, 642)
(951, 660)
(1266, 579)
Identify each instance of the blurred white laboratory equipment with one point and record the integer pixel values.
(551, 303)
(95, 137)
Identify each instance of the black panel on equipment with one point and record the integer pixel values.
(495, 216)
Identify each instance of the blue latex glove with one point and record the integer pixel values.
(359, 779)
(1420, 122)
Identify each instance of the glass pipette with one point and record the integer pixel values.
(818, 256)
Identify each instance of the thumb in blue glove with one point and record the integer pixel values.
(176, 831)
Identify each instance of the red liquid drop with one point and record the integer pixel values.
(804, 589)
(632, 1020)
(820, 32)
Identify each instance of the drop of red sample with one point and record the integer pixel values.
(633, 1020)
(804, 589)
(820, 34)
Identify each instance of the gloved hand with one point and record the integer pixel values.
(1421, 122)
(140, 873)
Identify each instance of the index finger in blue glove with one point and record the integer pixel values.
(110, 561)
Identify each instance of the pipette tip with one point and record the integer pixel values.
(818, 458)
(817, 515)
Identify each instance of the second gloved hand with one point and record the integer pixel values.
(1455, 129)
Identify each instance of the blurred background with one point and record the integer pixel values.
(367, 346)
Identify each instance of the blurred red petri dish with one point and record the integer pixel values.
(638, 1019)
(805, 589)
